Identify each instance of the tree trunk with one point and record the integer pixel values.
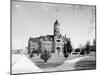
(45, 60)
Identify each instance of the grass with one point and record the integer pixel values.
(56, 60)
(86, 64)
(43, 65)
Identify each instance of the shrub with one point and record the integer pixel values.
(82, 52)
(31, 55)
(45, 55)
(66, 55)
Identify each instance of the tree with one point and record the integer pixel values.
(31, 54)
(29, 45)
(87, 47)
(94, 45)
(66, 54)
(94, 42)
(82, 52)
(69, 46)
(45, 55)
(38, 51)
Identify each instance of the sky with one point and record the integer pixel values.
(32, 19)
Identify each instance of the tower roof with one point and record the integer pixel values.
(56, 22)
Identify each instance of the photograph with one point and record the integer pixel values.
(52, 37)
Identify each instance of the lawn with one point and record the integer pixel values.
(57, 60)
(86, 64)
(54, 61)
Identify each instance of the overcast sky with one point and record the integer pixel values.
(30, 19)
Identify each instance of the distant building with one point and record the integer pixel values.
(17, 51)
(50, 43)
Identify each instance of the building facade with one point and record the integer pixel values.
(47, 45)
(33, 44)
(58, 39)
(52, 43)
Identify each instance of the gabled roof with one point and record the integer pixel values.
(34, 39)
(37, 39)
(49, 37)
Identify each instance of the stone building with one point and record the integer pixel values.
(33, 44)
(47, 43)
(52, 43)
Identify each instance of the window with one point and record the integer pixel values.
(58, 48)
(58, 40)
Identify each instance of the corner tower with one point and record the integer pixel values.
(57, 37)
(56, 29)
